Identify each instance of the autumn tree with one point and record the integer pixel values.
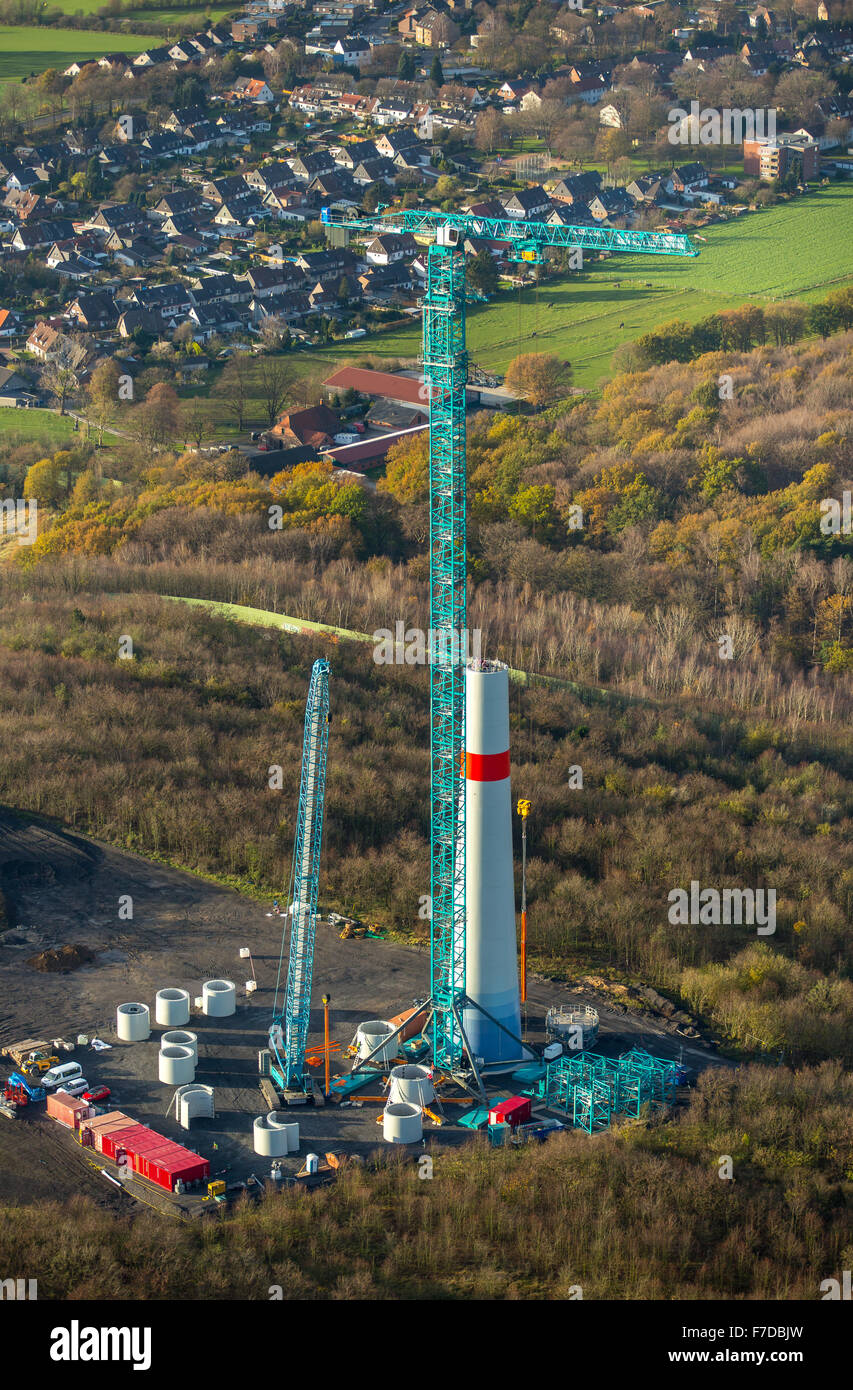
(61, 374)
(43, 483)
(539, 378)
(158, 417)
(102, 396)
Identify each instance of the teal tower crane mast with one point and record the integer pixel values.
(445, 363)
(289, 1030)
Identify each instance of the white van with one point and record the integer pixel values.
(75, 1087)
(57, 1076)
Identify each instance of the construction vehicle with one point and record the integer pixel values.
(40, 1063)
(33, 1093)
(358, 930)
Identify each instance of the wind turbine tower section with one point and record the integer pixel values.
(491, 966)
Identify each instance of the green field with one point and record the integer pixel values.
(193, 15)
(28, 49)
(795, 250)
(189, 20)
(23, 426)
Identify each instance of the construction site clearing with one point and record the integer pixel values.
(185, 931)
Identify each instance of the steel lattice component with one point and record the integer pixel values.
(289, 1043)
(445, 369)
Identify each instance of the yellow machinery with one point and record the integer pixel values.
(216, 1188)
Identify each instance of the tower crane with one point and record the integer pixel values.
(289, 1030)
(445, 364)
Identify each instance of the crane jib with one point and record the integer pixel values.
(514, 229)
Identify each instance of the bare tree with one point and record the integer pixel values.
(233, 390)
(276, 381)
(61, 374)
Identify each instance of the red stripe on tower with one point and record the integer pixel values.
(486, 767)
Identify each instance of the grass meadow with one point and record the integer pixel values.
(26, 50)
(794, 250)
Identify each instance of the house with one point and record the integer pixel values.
(244, 213)
(647, 188)
(165, 146)
(151, 58)
(387, 415)
(512, 93)
(183, 116)
(43, 340)
(252, 89)
(248, 30)
(351, 52)
(530, 203)
(374, 171)
(268, 176)
(687, 180)
(390, 247)
(9, 323)
(232, 189)
(329, 189)
(316, 426)
(404, 141)
(324, 265)
(112, 217)
(212, 319)
(286, 304)
(310, 166)
(350, 156)
(435, 30)
(266, 280)
(171, 299)
(173, 204)
(610, 203)
(183, 52)
(93, 311)
(42, 232)
(144, 321)
(13, 390)
(576, 188)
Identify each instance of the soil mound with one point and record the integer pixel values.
(61, 958)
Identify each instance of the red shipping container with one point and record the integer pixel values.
(97, 1124)
(68, 1110)
(515, 1111)
(134, 1135)
(107, 1141)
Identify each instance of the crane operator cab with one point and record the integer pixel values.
(447, 236)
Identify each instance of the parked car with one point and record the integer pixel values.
(73, 1088)
(97, 1093)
